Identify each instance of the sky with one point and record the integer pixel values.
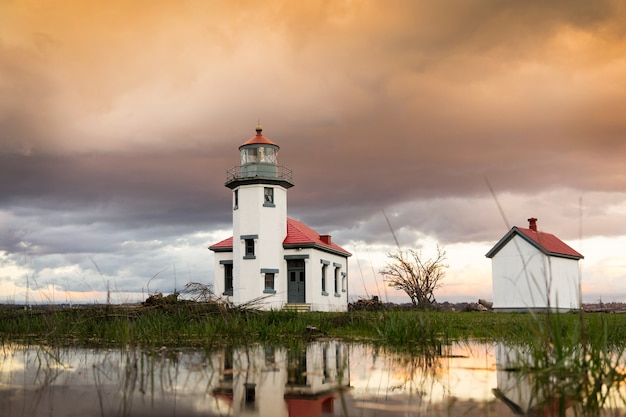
(454, 119)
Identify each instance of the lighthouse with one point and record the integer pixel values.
(272, 258)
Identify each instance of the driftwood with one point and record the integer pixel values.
(373, 304)
(481, 305)
(159, 300)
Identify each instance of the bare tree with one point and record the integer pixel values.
(417, 277)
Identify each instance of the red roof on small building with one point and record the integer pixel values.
(550, 243)
(259, 139)
(299, 235)
(545, 242)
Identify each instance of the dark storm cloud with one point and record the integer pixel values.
(152, 187)
(90, 203)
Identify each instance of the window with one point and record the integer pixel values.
(236, 204)
(249, 253)
(248, 246)
(269, 282)
(269, 275)
(270, 357)
(249, 155)
(343, 282)
(337, 268)
(268, 199)
(267, 155)
(228, 279)
(324, 269)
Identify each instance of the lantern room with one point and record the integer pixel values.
(259, 156)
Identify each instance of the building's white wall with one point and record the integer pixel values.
(331, 301)
(313, 282)
(218, 287)
(524, 278)
(518, 276)
(269, 224)
(565, 275)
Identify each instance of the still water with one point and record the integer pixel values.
(328, 378)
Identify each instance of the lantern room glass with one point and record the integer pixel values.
(259, 154)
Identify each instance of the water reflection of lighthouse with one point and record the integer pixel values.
(303, 380)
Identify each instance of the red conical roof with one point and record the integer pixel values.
(259, 139)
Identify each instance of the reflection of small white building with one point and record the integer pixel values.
(533, 270)
(513, 389)
(519, 391)
(270, 255)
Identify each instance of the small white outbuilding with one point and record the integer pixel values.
(533, 270)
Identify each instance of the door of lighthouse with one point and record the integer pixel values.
(296, 284)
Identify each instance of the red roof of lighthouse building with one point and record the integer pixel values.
(299, 235)
(225, 245)
(545, 242)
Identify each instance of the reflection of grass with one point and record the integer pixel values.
(573, 361)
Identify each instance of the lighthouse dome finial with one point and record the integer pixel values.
(259, 128)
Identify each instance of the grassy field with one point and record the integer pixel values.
(198, 324)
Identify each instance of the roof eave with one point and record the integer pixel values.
(310, 245)
(221, 248)
(239, 181)
(563, 255)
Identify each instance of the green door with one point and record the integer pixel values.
(295, 286)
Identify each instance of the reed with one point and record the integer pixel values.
(574, 363)
(199, 324)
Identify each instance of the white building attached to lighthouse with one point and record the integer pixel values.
(270, 256)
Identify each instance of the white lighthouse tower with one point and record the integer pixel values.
(259, 187)
(272, 258)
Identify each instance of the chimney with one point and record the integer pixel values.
(325, 239)
(532, 224)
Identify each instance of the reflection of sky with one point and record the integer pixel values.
(377, 379)
(464, 372)
(74, 381)
(472, 375)
(136, 383)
